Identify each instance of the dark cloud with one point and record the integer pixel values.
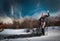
(28, 6)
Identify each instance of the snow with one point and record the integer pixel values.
(51, 34)
(13, 32)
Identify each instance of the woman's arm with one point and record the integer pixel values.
(47, 15)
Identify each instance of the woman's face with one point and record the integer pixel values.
(43, 14)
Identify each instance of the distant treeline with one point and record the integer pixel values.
(31, 23)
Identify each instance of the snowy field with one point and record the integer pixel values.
(13, 32)
(51, 34)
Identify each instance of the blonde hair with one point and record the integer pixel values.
(43, 14)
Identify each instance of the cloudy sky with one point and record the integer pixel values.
(27, 8)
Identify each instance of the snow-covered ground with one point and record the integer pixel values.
(13, 32)
(51, 34)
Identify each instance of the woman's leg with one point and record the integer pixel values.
(43, 33)
(43, 27)
(43, 24)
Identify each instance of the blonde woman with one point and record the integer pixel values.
(42, 21)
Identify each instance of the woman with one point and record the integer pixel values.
(42, 22)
